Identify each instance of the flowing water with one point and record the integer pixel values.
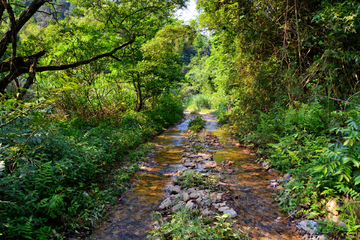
(131, 219)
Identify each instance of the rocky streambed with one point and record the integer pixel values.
(206, 172)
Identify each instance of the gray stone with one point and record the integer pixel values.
(223, 209)
(211, 164)
(175, 196)
(308, 226)
(189, 165)
(231, 213)
(194, 195)
(165, 204)
(206, 212)
(189, 205)
(287, 177)
(177, 206)
(191, 190)
(175, 189)
(186, 196)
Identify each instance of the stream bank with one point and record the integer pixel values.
(249, 195)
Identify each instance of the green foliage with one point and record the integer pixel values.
(194, 179)
(196, 124)
(58, 174)
(190, 224)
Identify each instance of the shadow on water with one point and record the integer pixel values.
(131, 219)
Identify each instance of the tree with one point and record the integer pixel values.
(124, 21)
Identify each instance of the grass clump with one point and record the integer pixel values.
(190, 224)
(194, 179)
(196, 124)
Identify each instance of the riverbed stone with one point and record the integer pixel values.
(189, 205)
(211, 164)
(194, 195)
(206, 212)
(231, 213)
(309, 226)
(165, 204)
(175, 189)
(186, 196)
(189, 165)
(223, 209)
(175, 196)
(178, 206)
(191, 190)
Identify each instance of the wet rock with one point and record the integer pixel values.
(211, 164)
(178, 206)
(266, 165)
(231, 213)
(175, 189)
(274, 183)
(332, 207)
(165, 204)
(309, 226)
(189, 165)
(186, 196)
(223, 209)
(175, 196)
(191, 190)
(286, 178)
(189, 205)
(206, 212)
(194, 195)
(194, 156)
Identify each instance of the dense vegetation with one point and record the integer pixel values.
(84, 83)
(283, 77)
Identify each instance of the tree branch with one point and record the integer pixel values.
(83, 62)
(20, 22)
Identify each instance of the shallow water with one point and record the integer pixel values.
(131, 218)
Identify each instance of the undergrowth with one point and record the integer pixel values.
(60, 175)
(196, 124)
(320, 148)
(190, 224)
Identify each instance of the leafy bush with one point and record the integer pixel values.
(197, 124)
(320, 149)
(189, 179)
(56, 177)
(190, 224)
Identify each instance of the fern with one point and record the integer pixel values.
(52, 205)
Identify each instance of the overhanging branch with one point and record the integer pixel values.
(83, 62)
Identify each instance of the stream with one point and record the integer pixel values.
(249, 182)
